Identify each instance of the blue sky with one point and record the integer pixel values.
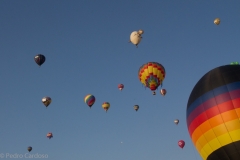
(87, 52)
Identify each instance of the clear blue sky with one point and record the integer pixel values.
(87, 52)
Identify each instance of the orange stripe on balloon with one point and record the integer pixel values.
(215, 122)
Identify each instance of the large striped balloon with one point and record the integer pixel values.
(151, 75)
(89, 100)
(213, 114)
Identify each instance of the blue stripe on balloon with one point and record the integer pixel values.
(211, 94)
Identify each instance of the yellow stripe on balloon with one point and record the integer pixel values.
(144, 75)
(86, 97)
(218, 131)
(220, 141)
(212, 139)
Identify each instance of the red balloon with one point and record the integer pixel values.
(181, 143)
(120, 86)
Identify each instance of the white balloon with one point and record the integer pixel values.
(135, 38)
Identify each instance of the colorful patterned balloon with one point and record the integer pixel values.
(213, 113)
(151, 75)
(89, 100)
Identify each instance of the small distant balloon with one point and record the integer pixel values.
(217, 21)
(136, 107)
(39, 59)
(89, 100)
(176, 121)
(136, 37)
(120, 87)
(49, 135)
(46, 101)
(181, 143)
(29, 149)
(106, 106)
(163, 92)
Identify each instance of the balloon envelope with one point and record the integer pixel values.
(176, 121)
(213, 113)
(151, 75)
(89, 100)
(136, 107)
(29, 149)
(120, 86)
(106, 106)
(135, 38)
(49, 135)
(163, 92)
(46, 101)
(217, 21)
(181, 143)
(39, 59)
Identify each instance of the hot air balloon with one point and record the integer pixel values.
(120, 86)
(136, 37)
(213, 113)
(181, 143)
(106, 106)
(46, 101)
(234, 63)
(136, 107)
(29, 149)
(176, 121)
(217, 21)
(163, 92)
(89, 100)
(151, 75)
(49, 135)
(39, 59)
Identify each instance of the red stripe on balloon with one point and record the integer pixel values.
(216, 110)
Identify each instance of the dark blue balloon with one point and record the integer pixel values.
(39, 59)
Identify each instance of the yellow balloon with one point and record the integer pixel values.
(217, 21)
(106, 106)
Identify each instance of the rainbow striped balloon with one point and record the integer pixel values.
(213, 114)
(89, 100)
